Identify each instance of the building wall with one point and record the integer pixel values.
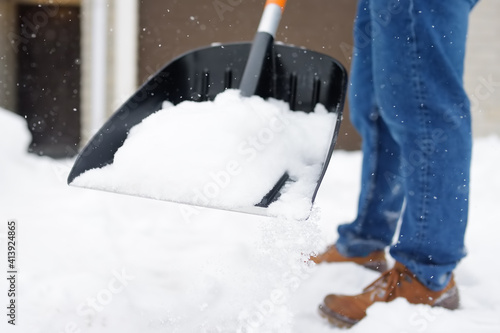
(170, 28)
(482, 70)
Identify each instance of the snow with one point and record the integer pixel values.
(226, 153)
(92, 261)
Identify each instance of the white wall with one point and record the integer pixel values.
(125, 50)
(482, 72)
(109, 59)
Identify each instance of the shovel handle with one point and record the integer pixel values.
(271, 16)
(261, 46)
(280, 3)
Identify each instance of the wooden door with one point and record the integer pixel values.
(49, 77)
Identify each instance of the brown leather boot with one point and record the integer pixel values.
(345, 311)
(375, 261)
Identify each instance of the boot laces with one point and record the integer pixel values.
(385, 287)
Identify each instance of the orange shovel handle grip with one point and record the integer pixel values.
(280, 3)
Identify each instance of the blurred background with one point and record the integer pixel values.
(66, 65)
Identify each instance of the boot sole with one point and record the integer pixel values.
(449, 300)
(336, 319)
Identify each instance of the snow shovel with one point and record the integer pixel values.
(300, 77)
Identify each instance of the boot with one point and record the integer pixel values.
(345, 311)
(375, 261)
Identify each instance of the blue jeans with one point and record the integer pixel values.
(409, 105)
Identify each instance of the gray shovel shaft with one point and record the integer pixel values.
(261, 48)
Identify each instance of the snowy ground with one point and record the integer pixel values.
(99, 262)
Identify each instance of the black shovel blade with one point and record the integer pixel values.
(298, 76)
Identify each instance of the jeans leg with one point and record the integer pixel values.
(381, 194)
(418, 55)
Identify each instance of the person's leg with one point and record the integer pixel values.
(418, 53)
(418, 56)
(381, 194)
